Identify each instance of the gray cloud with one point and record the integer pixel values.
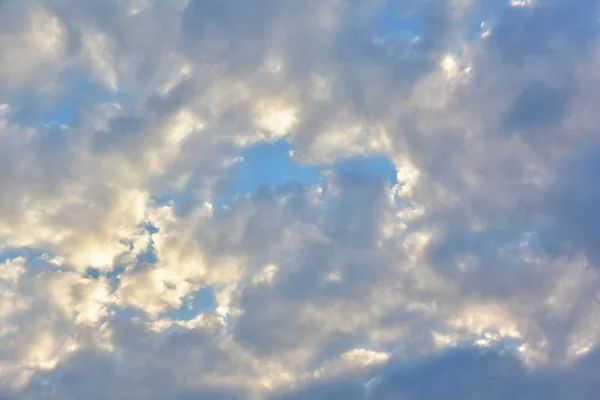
(489, 237)
(463, 373)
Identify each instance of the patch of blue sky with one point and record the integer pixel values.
(151, 228)
(143, 260)
(36, 258)
(79, 91)
(112, 275)
(40, 260)
(76, 91)
(74, 96)
(266, 165)
(92, 273)
(147, 257)
(391, 21)
(202, 301)
(270, 165)
(11, 253)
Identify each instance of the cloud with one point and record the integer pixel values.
(464, 373)
(424, 225)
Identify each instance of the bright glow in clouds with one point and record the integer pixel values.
(295, 199)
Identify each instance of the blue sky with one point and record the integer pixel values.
(270, 199)
(271, 165)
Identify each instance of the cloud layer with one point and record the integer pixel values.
(294, 199)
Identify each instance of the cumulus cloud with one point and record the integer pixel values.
(135, 265)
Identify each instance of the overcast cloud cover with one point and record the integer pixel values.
(299, 199)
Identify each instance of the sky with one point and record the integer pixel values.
(299, 199)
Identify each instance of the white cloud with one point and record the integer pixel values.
(112, 223)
